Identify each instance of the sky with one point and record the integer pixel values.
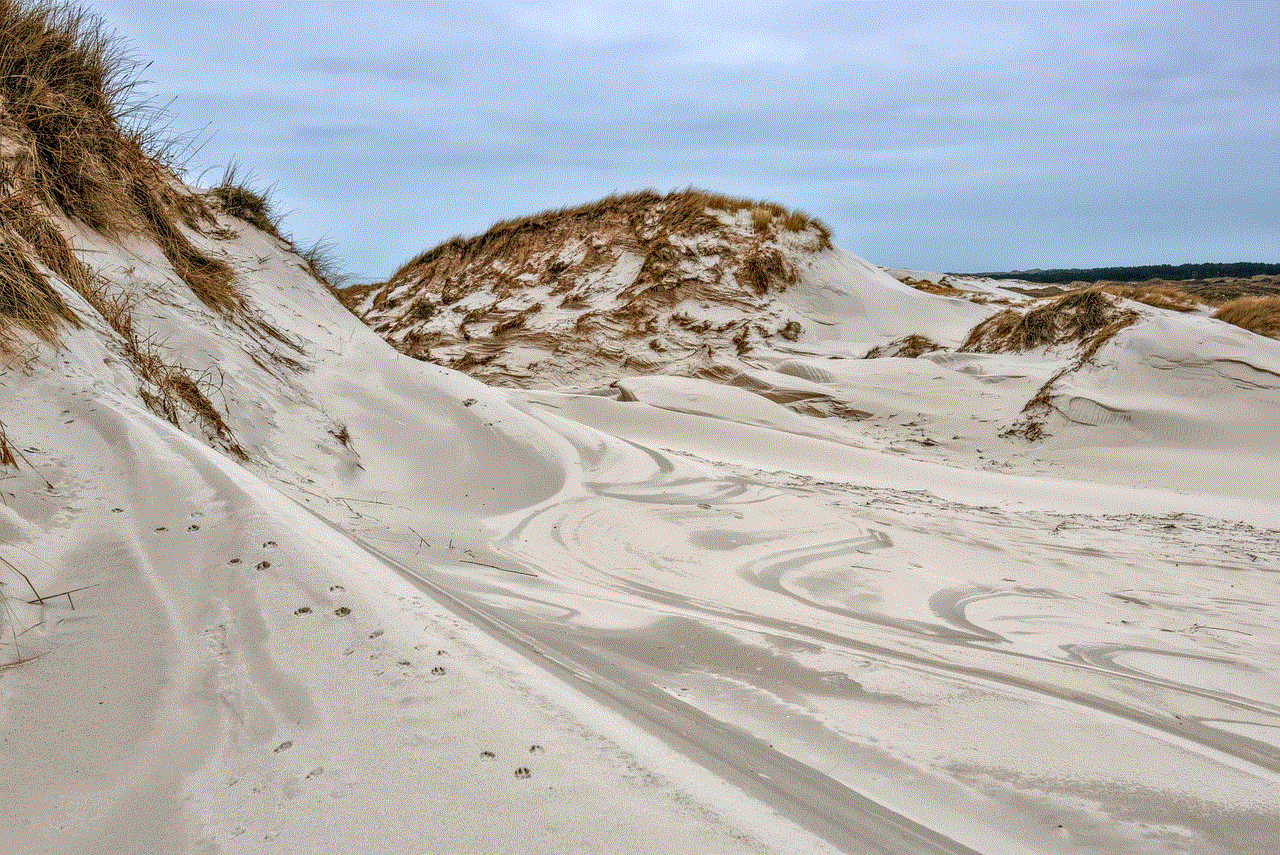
(950, 137)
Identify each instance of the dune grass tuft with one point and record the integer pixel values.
(1159, 296)
(235, 195)
(1080, 316)
(1259, 315)
(648, 213)
(470, 302)
(75, 146)
(74, 143)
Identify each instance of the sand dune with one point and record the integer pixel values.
(270, 585)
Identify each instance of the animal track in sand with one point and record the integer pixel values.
(268, 544)
(234, 561)
(262, 565)
(162, 528)
(438, 671)
(375, 633)
(283, 746)
(342, 611)
(315, 773)
(302, 610)
(523, 772)
(117, 510)
(336, 589)
(193, 527)
(535, 749)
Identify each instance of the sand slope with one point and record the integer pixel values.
(788, 603)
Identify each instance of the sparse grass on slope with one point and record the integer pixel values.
(649, 216)
(1159, 296)
(73, 145)
(236, 197)
(1088, 317)
(72, 148)
(1260, 315)
(1085, 319)
(635, 282)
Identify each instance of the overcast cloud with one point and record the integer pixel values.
(937, 136)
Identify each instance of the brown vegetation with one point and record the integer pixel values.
(235, 197)
(69, 153)
(687, 247)
(646, 217)
(911, 346)
(1080, 317)
(1087, 319)
(1213, 291)
(1159, 296)
(69, 150)
(1259, 315)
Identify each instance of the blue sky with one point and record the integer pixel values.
(958, 137)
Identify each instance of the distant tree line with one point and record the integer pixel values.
(1236, 270)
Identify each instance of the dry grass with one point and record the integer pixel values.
(930, 287)
(647, 214)
(168, 389)
(1078, 317)
(911, 346)
(75, 144)
(72, 147)
(6, 450)
(688, 245)
(235, 196)
(322, 262)
(766, 268)
(1088, 319)
(1259, 315)
(1159, 296)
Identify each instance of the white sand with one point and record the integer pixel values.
(725, 625)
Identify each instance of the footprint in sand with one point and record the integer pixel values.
(523, 772)
(342, 611)
(302, 610)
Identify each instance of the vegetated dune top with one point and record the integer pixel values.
(631, 283)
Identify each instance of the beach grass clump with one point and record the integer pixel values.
(1259, 315)
(236, 196)
(75, 144)
(1159, 296)
(77, 151)
(1089, 317)
(648, 217)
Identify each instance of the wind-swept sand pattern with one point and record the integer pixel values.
(834, 582)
